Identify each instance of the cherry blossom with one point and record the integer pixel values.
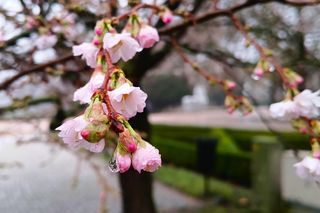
(284, 110)
(88, 51)
(148, 36)
(46, 41)
(70, 132)
(128, 100)
(120, 46)
(308, 103)
(308, 168)
(84, 93)
(146, 158)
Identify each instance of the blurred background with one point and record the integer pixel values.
(212, 161)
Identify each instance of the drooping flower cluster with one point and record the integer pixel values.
(303, 110)
(112, 98)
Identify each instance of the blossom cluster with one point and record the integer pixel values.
(303, 109)
(112, 98)
(305, 104)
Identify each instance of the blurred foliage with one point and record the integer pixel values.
(166, 90)
(178, 146)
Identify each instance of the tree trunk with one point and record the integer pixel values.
(137, 188)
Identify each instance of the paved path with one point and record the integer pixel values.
(38, 178)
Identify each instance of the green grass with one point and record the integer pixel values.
(193, 184)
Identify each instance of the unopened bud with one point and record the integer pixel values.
(229, 85)
(167, 16)
(85, 134)
(96, 42)
(132, 147)
(99, 31)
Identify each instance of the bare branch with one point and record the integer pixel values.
(206, 16)
(37, 68)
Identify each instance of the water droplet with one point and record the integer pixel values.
(113, 165)
(255, 77)
(271, 68)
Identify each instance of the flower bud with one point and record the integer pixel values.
(96, 42)
(229, 85)
(99, 31)
(230, 103)
(245, 105)
(128, 141)
(293, 78)
(94, 133)
(85, 134)
(167, 16)
(123, 162)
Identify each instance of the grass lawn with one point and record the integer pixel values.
(194, 184)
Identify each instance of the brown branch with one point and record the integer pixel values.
(206, 16)
(209, 77)
(136, 8)
(34, 69)
(262, 51)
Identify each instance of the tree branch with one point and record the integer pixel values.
(206, 16)
(37, 68)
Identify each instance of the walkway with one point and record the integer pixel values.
(37, 178)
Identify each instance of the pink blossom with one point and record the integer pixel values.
(120, 46)
(308, 103)
(128, 100)
(70, 131)
(285, 110)
(146, 158)
(258, 72)
(46, 41)
(148, 36)
(123, 162)
(308, 168)
(85, 93)
(167, 17)
(88, 51)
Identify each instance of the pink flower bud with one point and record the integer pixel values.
(99, 31)
(167, 17)
(299, 79)
(96, 42)
(258, 71)
(123, 162)
(316, 154)
(303, 130)
(128, 141)
(230, 85)
(85, 134)
(132, 147)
